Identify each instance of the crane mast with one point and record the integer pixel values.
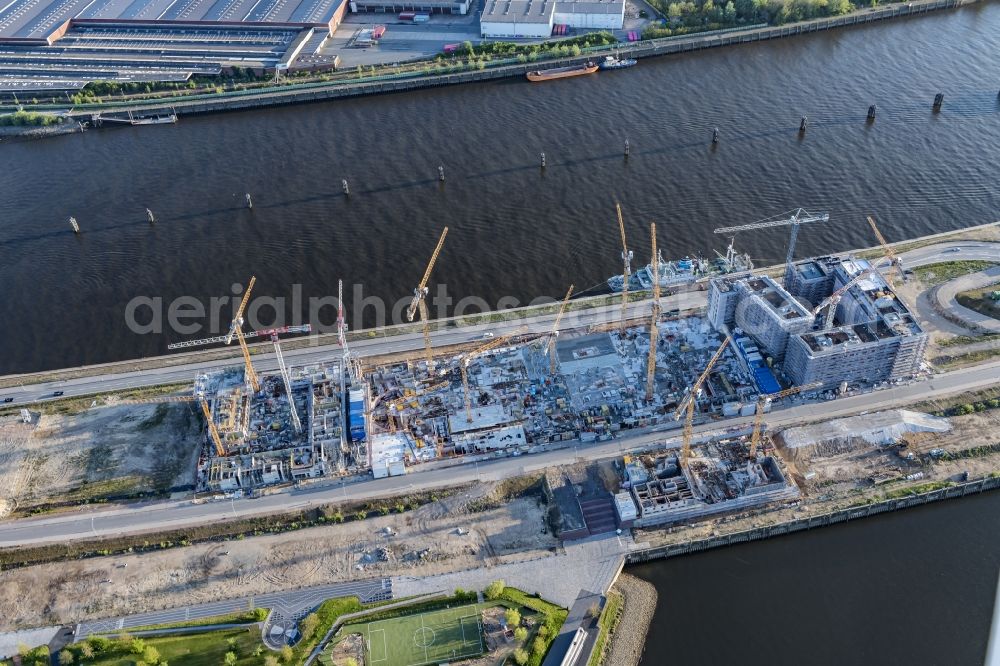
(220, 450)
(889, 253)
(286, 378)
(236, 327)
(762, 401)
(555, 331)
(654, 318)
(419, 297)
(688, 404)
(627, 260)
(350, 362)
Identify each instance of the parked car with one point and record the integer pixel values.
(57, 393)
(8, 399)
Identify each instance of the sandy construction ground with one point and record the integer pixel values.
(439, 537)
(100, 452)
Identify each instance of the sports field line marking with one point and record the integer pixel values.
(421, 633)
(385, 646)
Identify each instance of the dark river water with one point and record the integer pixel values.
(912, 588)
(515, 231)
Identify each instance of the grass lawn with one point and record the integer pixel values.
(205, 649)
(439, 636)
(981, 301)
(949, 270)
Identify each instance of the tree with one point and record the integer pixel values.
(520, 634)
(520, 656)
(495, 589)
(65, 657)
(229, 659)
(350, 661)
(86, 651)
(151, 655)
(594, 610)
(513, 617)
(287, 654)
(538, 646)
(308, 625)
(99, 643)
(136, 646)
(270, 660)
(360, 515)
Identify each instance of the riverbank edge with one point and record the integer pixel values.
(628, 640)
(312, 92)
(979, 486)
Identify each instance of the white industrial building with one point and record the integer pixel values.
(526, 19)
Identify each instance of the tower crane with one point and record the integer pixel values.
(296, 423)
(627, 260)
(794, 219)
(351, 363)
(831, 301)
(220, 450)
(688, 404)
(555, 331)
(419, 300)
(654, 331)
(889, 253)
(762, 402)
(263, 333)
(466, 359)
(236, 328)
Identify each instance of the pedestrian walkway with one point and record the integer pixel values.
(291, 606)
(589, 564)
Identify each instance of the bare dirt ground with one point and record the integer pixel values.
(436, 538)
(836, 477)
(100, 452)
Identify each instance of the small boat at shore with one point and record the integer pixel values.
(614, 62)
(562, 72)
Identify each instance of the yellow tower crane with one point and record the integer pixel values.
(654, 331)
(688, 404)
(555, 331)
(220, 450)
(464, 362)
(889, 253)
(236, 328)
(627, 260)
(762, 401)
(418, 302)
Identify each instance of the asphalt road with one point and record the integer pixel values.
(156, 516)
(173, 514)
(324, 353)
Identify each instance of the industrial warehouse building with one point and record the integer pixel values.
(65, 44)
(520, 19)
(460, 7)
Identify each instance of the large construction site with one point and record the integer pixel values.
(523, 392)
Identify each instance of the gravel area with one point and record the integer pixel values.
(629, 638)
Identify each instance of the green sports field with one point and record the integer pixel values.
(435, 637)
